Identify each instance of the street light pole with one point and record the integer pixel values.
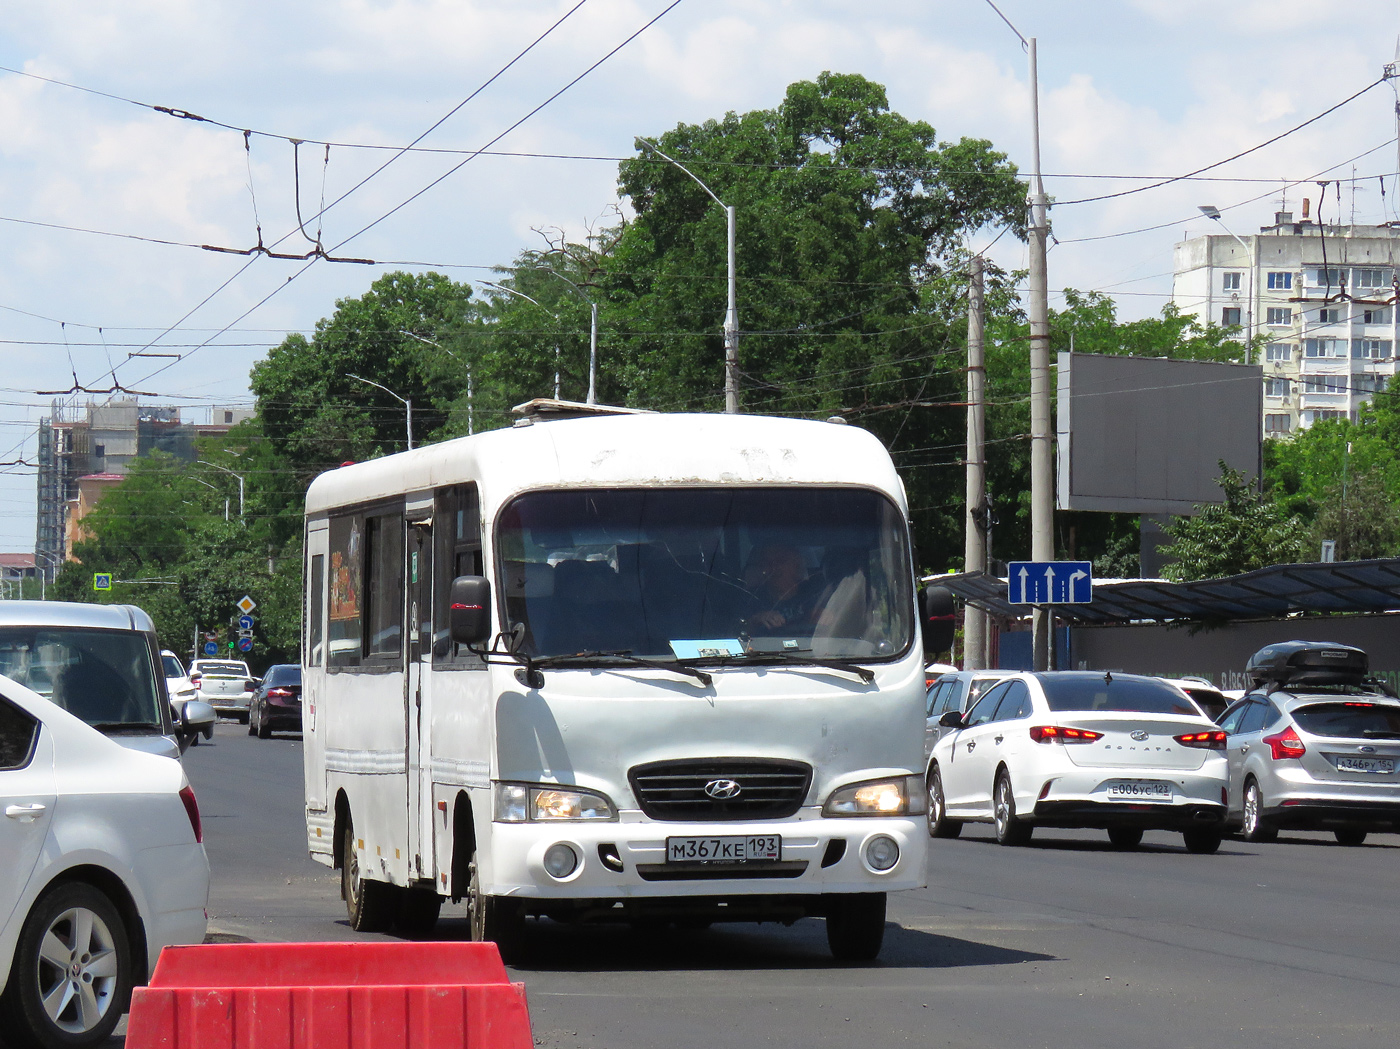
(1210, 211)
(471, 425)
(731, 315)
(235, 476)
(405, 401)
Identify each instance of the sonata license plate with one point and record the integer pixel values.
(757, 849)
(1140, 790)
(1347, 763)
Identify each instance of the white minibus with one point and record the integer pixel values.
(617, 666)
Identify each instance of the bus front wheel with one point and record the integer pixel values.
(495, 919)
(855, 926)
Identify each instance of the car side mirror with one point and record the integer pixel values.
(469, 611)
(951, 719)
(196, 716)
(936, 619)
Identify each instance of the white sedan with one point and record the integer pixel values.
(101, 866)
(1081, 749)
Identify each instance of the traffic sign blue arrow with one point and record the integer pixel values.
(1050, 582)
(245, 622)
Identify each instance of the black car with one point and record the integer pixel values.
(276, 704)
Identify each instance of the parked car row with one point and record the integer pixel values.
(1314, 745)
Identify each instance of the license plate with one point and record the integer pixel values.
(768, 847)
(1346, 763)
(1140, 790)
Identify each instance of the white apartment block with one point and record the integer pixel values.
(1324, 296)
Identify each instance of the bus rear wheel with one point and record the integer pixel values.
(370, 905)
(494, 919)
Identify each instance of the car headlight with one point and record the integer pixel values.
(519, 803)
(903, 796)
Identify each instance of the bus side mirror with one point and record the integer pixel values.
(469, 612)
(936, 619)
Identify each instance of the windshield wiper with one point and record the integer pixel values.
(622, 657)
(786, 658)
(1380, 733)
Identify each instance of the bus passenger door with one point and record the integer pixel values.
(313, 661)
(418, 657)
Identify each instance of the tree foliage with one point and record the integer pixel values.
(1247, 531)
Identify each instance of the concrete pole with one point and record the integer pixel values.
(1042, 449)
(593, 353)
(975, 544)
(731, 328)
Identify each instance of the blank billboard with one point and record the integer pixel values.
(1145, 435)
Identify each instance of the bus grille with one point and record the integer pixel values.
(675, 790)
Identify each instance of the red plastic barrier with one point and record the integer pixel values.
(330, 996)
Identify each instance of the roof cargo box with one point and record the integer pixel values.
(1290, 663)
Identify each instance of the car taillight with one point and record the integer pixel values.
(192, 811)
(1214, 740)
(1286, 744)
(1053, 733)
(280, 693)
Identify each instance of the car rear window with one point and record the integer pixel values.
(172, 666)
(224, 669)
(285, 674)
(1095, 693)
(1357, 720)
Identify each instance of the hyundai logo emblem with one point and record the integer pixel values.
(722, 789)
(1138, 734)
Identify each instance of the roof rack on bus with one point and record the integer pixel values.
(1288, 663)
(548, 409)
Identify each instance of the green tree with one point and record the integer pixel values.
(1247, 531)
(1358, 514)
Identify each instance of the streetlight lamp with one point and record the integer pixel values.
(731, 316)
(1210, 211)
(471, 427)
(225, 469)
(44, 570)
(405, 401)
(593, 351)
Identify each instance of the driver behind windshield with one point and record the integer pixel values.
(777, 576)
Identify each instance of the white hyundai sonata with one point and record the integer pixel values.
(101, 866)
(1116, 752)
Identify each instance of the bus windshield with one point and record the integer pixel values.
(696, 573)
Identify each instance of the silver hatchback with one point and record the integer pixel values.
(1314, 756)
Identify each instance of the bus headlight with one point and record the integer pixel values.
(903, 796)
(518, 803)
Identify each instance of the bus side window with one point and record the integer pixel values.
(384, 590)
(345, 580)
(315, 601)
(456, 552)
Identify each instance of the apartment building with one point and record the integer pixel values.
(1324, 296)
(85, 449)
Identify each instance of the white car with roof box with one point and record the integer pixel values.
(1314, 745)
(102, 664)
(1081, 749)
(101, 866)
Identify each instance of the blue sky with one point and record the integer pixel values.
(1128, 87)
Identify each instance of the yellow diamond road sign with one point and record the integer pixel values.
(247, 604)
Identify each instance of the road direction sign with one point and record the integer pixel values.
(245, 633)
(247, 605)
(245, 644)
(211, 648)
(102, 580)
(1050, 582)
(245, 622)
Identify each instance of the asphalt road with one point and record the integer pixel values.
(1063, 943)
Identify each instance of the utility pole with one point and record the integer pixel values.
(975, 545)
(1042, 450)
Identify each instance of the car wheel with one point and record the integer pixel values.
(1200, 840)
(939, 825)
(264, 728)
(1349, 836)
(1255, 827)
(1010, 829)
(72, 972)
(1125, 837)
(252, 725)
(494, 919)
(855, 926)
(243, 717)
(370, 905)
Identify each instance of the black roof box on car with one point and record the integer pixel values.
(1308, 663)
